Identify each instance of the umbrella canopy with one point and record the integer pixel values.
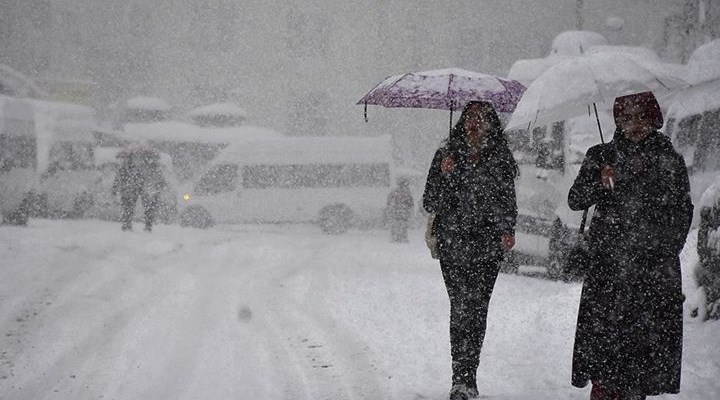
(445, 89)
(569, 88)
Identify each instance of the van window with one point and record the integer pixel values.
(221, 178)
(316, 176)
(71, 156)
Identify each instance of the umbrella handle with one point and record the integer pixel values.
(598, 123)
(451, 113)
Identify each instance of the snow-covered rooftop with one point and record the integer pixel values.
(574, 43)
(177, 131)
(321, 149)
(229, 109)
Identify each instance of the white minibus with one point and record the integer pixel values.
(336, 182)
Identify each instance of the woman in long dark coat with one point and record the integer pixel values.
(628, 341)
(471, 189)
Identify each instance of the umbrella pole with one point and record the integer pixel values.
(366, 119)
(451, 112)
(598, 123)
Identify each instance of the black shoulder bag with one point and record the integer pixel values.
(578, 260)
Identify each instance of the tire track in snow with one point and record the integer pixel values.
(75, 362)
(334, 362)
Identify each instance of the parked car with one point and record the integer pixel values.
(708, 248)
(549, 158)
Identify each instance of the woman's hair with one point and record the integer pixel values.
(496, 141)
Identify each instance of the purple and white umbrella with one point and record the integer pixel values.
(445, 89)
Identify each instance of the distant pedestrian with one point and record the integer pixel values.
(471, 190)
(628, 341)
(139, 176)
(399, 209)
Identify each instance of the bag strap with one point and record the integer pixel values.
(582, 223)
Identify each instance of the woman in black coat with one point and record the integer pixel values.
(628, 341)
(471, 189)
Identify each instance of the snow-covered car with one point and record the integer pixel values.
(708, 248)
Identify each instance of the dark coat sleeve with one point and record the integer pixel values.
(435, 199)
(587, 189)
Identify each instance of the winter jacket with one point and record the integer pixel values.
(128, 180)
(629, 327)
(473, 200)
(152, 177)
(139, 175)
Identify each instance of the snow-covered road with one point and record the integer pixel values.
(270, 312)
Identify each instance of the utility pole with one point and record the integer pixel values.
(579, 14)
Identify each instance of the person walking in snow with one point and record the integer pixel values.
(399, 209)
(471, 190)
(139, 176)
(628, 341)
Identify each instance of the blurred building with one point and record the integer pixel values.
(300, 66)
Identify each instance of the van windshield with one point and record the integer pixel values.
(219, 179)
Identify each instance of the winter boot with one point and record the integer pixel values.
(471, 384)
(459, 391)
(473, 392)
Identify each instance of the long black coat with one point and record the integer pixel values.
(629, 328)
(474, 202)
